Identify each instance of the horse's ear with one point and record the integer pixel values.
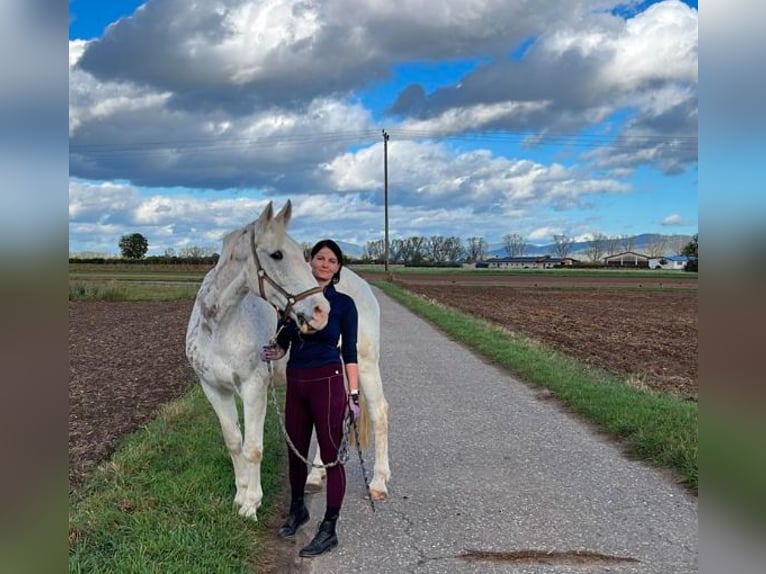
(267, 215)
(285, 213)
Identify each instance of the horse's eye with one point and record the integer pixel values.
(277, 255)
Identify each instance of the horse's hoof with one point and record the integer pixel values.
(250, 511)
(378, 494)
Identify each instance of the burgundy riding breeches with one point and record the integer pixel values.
(316, 397)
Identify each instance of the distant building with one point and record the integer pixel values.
(534, 262)
(627, 259)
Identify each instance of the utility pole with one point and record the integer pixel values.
(385, 191)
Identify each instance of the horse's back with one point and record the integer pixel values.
(368, 308)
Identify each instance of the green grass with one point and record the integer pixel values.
(654, 427)
(130, 290)
(164, 501)
(124, 282)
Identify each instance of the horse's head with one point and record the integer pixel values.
(278, 272)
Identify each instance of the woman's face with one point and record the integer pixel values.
(324, 265)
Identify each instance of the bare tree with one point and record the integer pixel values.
(435, 248)
(374, 250)
(612, 245)
(306, 248)
(170, 252)
(193, 251)
(676, 244)
(454, 250)
(414, 249)
(628, 242)
(476, 249)
(657, 245)
(515, 246)
(396, 251)
(564, 245)
(595, 251)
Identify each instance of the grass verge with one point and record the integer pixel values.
(164, 502)
(656, 428)
(118, 290)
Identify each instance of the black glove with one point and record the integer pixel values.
(353, 406)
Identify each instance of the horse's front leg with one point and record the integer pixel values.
(225, 408)
(254, 406)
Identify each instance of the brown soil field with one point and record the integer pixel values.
(127, 359)
(641, 328)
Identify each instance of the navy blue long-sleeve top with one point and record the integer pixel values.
(321, 348)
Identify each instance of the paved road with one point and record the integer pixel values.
(481, 464)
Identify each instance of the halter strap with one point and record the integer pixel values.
(263, 277)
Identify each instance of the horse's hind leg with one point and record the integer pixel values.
(315, 477)
(377, 407)
(225, 408)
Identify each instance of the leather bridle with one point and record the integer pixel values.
(263, 277)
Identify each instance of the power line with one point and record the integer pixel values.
(366, 136)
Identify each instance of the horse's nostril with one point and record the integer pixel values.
(318, 311)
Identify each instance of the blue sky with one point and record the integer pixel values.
(573, 117)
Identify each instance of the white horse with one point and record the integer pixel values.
(261, 267)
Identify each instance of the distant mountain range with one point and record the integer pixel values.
(640, 243)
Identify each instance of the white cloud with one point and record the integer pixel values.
(674, 219)
(432, 174)
(268, 98)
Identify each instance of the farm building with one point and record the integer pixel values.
(627, 259)
(536, 262)
(669, 262)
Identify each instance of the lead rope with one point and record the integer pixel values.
(364, 470)
(343, 456)
(342, 449)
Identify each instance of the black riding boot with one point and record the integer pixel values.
(325, 539)
(299, 515)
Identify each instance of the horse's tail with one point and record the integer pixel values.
(362, 425)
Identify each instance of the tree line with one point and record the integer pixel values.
(438, 249)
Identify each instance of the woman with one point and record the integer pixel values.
(316, 396)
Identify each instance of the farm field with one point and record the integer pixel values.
(641, 327)
(127, 357)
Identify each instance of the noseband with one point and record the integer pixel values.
(263, 277)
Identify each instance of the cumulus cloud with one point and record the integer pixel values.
(120, 130)
(432, 174)
(278, 51)
(573, 77)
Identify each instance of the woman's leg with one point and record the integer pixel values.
(329, 409)
(298, 426)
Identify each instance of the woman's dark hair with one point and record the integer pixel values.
(332, 246)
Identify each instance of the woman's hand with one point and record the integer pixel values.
(271, 353)
(353, 406)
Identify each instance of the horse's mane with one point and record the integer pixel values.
(232, 240)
